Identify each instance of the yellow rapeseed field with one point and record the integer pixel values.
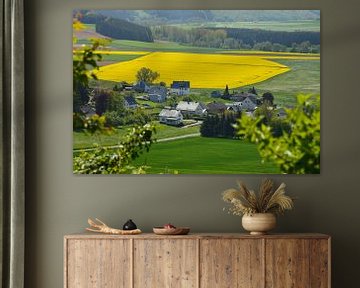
(202, 70)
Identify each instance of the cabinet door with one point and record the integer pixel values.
(287, 263)
(165, 263)
(320, 263)
(231, 263)
(98, 263)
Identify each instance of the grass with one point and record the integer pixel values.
(288, 26)
(200, 155)
(119, 58)
(303, 78)
(83, 140)
(158, 46)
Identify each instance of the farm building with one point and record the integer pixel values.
(170, 117)
(191, 108)
(157, 94)
(216, 107)
(239, 97)
(130, 102)
(127, 87)
(250, 103)
(216, 94)
(141, 87)
(180, 87)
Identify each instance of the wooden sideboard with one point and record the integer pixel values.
(197, 260)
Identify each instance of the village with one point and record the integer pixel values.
(182, 108)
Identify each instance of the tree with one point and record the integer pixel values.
(269, 117)
(103, 160)
(268, 97)
(147, 75)
(102, 101)
(252, 90)
(226, 94)
(219, 125)
(296, 151)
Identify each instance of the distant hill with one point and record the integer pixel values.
(186, 16)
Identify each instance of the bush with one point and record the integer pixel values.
(297, 150)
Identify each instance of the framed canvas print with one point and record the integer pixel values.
(196, 91)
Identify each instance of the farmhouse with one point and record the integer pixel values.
(239, 97)
(216, 107)
(130, 102)
(250, 103)
(191, 108)
(157, 94)
(127, 87)
(180, 87)
(170, 117)
(141, 87)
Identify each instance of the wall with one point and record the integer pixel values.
(59, 203)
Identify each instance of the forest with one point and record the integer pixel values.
(238, 38)
(121, 29)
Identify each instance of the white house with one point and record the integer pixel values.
(180, 87)
(157, 94)
(191, 108)
(247, 104)
(170, 117)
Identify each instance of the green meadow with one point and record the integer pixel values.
(200, 155)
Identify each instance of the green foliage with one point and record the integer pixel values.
(83, 62)
(269, 97)
(102, 160)
(122, 29)
(114, 119)
(269, 117)
(240, 38)
(96, 125)
(220, 125)
(147, 75)
(102, 100)
(296, 151)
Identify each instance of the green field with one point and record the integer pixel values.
(303, 78)
(129, 45)
(288, 26)
(83, 140)
(118, 58)
(200, 155)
